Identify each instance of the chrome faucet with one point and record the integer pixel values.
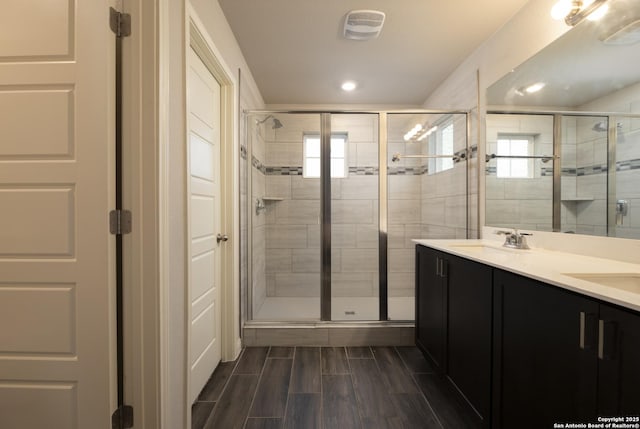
(514, 239)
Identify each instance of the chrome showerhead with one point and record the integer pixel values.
(601, 126)
(276, 122)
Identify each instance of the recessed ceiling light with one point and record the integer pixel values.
(348, 86)
(535, 87)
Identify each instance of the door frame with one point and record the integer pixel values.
(155, 323)
(202, 44)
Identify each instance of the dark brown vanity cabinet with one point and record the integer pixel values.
(542, 375)
(618, 362)
(453, 322)
(431, 306)
(524, 353)
(560, 356)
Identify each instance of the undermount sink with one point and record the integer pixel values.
(629, 282)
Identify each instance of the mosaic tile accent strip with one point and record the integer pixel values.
(363, 171)
(283, 171)
(353, 171)
(632, 164)
(407, 171)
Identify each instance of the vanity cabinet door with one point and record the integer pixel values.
(469, 333)
(619, 362)
(545, 360)
(431, 306)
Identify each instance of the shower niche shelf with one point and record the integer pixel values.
(261, 203)
(576, 199)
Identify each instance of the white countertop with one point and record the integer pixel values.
(547, 266)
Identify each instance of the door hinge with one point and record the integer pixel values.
(120, 23)
(122, 418)
(119, 222)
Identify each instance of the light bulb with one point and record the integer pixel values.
(561, 9)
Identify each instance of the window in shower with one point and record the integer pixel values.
(514, 146)
(441, 143)
(339, 166)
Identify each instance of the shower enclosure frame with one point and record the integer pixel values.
(612, 137)
(325, 203)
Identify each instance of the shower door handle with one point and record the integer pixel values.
(221, 237)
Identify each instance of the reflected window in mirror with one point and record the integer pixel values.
(514, 146)
(441, 143)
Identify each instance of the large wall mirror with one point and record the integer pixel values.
(563, 132)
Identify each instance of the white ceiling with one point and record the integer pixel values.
(297, 55)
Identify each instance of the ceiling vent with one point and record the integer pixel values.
(363, 24)
(627, 35)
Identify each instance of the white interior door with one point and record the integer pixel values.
(56, 189)
(203, 100)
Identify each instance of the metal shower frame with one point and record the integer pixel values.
(325, 199)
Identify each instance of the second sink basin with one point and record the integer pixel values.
(629, 282)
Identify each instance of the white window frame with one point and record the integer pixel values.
(505, 166)
(345, 171)
(436, 147)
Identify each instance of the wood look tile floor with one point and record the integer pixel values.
(328, 388)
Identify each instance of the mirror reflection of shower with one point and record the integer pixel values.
(275, 122)
(603, 126)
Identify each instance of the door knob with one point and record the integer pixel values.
(221, 237)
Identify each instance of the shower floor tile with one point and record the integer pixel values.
(307, 309)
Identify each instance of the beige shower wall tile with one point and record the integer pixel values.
(354, 212)
(300, 212)
(354, 284)
(404, 212)
(343, 236)
(359, 188)
(367, 236)
(308, 261)
(284, 154)
(359, 260)
(298, 285)
(278, 260)
(286, 237)
(401, 284)
(401, 260)
(403, 187)
(304, 188)
(278, 186)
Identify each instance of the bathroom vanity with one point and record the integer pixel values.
(530, 337)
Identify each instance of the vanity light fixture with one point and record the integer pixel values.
(574, 11)
(348, 86)
(412, 132)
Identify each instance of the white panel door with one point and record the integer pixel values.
(203, 99)
(56, 265)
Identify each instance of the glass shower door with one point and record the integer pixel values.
(355, 293)
(624, 200)
(427, 194)
(285, 216)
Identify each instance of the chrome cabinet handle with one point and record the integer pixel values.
(221, 237)
(582, 323)
(601, 339)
